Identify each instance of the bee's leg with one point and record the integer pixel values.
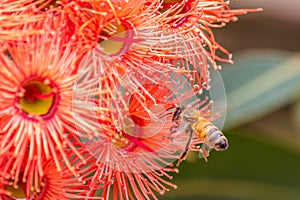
(173, 130)
(204, 152)
(183, 155)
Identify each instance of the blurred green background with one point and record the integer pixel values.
(263, 112)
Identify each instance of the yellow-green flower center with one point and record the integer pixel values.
(19, 190)
(116, 38)
(16, 193)
(38, 98)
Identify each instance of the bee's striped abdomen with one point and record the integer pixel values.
(210, 134)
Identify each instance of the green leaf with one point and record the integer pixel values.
(260, 82)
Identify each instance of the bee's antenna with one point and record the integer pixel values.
(173, 105)
(170, 108)
(169, 113)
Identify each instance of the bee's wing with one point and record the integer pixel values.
(178, 130)
(185, 128)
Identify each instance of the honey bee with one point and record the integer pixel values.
(191, 122)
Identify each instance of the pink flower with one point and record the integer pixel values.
(36, 89)
(53, 184)
(125, 125)
(88, 89)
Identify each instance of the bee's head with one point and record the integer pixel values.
(177, 113)
(221, 144)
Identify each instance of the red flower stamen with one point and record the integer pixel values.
(137, 142)
(182, 9)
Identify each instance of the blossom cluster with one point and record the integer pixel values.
(86, 89)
